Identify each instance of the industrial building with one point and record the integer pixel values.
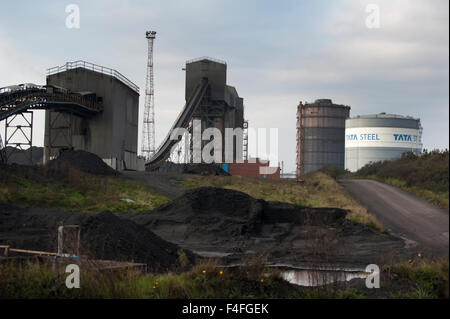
(112, 134)
(320, 135)
(213, 103)
(221, 106)
(379, 137)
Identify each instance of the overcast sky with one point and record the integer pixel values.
(277, 52)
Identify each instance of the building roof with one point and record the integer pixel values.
(206, 58)
(325, 102)
(384, 115)
(95, 68)
(232, 90)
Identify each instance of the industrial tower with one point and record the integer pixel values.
(148, 136)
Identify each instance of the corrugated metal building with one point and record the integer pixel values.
(112, 134)
(378, 137)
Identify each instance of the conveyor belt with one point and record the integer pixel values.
(23, 99)
(182, 121)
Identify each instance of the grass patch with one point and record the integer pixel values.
(205, 280)
(318, 190)
(34, 279)
(430, 277)
(76, 191)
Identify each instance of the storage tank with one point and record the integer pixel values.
(379, 137)
(320, 135)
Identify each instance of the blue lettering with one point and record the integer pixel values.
(404, 137)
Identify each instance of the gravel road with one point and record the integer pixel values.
(420, 223)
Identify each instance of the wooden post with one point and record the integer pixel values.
(6, 249)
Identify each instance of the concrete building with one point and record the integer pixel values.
(221, 107)
(379, 137)
(320, 135)
(113, 133)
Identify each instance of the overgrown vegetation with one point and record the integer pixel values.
(205, 280)
(429, 276)
(317, 190)
(425, 175)
(72, 190)
(33, 279)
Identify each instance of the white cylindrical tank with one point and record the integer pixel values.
(379, 137)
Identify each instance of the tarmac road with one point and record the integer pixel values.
(419, 223)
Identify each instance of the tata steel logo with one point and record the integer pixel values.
(405, 137)
(363, 137)
(376, 137)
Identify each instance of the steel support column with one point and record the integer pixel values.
(60, 132)
(14, 131)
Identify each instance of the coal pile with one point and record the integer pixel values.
(83, 161)
(30, 156)
(216, 213)
(229, 223)
(103, 236)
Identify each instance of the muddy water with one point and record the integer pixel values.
(307, 277)
(314, 278)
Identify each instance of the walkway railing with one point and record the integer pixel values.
(96, 68)
(206, 58)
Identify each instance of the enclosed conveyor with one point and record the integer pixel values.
(182, 121)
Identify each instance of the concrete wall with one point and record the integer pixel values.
(112, 134)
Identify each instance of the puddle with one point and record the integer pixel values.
(315, 278)
(307, 277)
